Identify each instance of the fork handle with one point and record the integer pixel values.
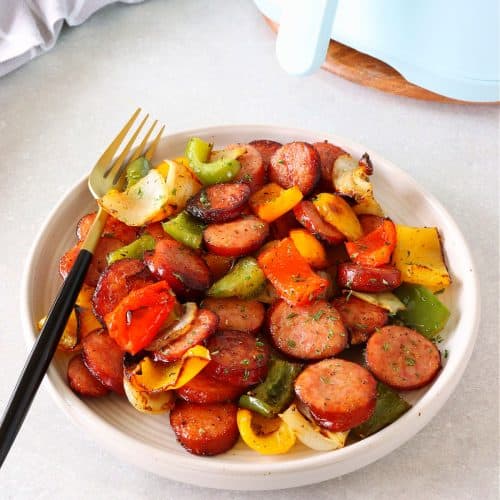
(41, 354)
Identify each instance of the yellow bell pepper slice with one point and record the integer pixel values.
(337, 212)
(279, 440)
(148, 402)
(158, 377)
(69, 338)
(272, 201)
(309, 247)
(419, 257)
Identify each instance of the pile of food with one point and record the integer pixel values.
(260, 292)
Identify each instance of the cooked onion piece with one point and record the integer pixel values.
(310, 434)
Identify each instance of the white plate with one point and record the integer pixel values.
(148, 441)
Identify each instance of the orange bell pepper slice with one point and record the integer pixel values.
(138, 317)
(290, 273)
(309, 247)
(375, 248)
(272, 201)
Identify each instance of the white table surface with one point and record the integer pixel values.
(195, 63)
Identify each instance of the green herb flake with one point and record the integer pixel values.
(409, 361)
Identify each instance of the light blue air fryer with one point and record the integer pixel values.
(451, 47)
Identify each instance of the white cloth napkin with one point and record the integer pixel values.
(31, 27)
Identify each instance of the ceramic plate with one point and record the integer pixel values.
(148, 442)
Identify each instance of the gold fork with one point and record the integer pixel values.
(105, 175)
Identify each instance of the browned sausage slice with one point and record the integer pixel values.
(328, 153)
(236, 238)
(237, 314)
(82, 381)
(296, 164)
(252, 171)
(219, 203)
(314, 331)
(402, 358)
(368, 279)
(280, 228)
(205, 389)
(208, 429)
(370, 222)
(116, 282)
(104, 359)
(266, 148)
(180, 266)
(360, 318)
(204, 325)
(218, 265)
(238, 358)
(113, 228)
(339, 394)
(98, 263)
(305, 212)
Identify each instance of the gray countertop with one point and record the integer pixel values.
(196, 63)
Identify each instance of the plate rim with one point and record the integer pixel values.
(369, 449)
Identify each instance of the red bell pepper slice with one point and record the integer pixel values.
(138, 317)
(290, 273)
(375, 248)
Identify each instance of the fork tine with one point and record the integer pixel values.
(107, 156)
(151, 150)
(119, 164)
(138, 150)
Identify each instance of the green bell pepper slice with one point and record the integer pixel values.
(224, 169)
(137, 170)
(245, 280)
(134, 250)
(276, 392)
(424, 311)
(185, 229)
(388, 408)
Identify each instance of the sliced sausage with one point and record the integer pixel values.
(98, 263)
(402, 358)
(238, 358)
(266, 148)
(339, 394)
(180, 266)
(360, 318)
(253, 170)
(155, 229)
(113, 228)
(116, 282)
(314, 331)
(205, 389)
(236, 238)
(205, 429)
(82, 381)
(370, 222)
(368, 279)
(305, 212)
(328, 153)
(280, 228)
(296, 164)
(237, 314)
(219, 203)
(218, 265)
(104, 359)
(203, 326)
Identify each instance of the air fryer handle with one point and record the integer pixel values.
(304, 34)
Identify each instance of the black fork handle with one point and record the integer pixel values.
(42, 353)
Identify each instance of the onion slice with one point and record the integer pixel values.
(178, 329)
(310, 434)
(145, 401)
(385, 300)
